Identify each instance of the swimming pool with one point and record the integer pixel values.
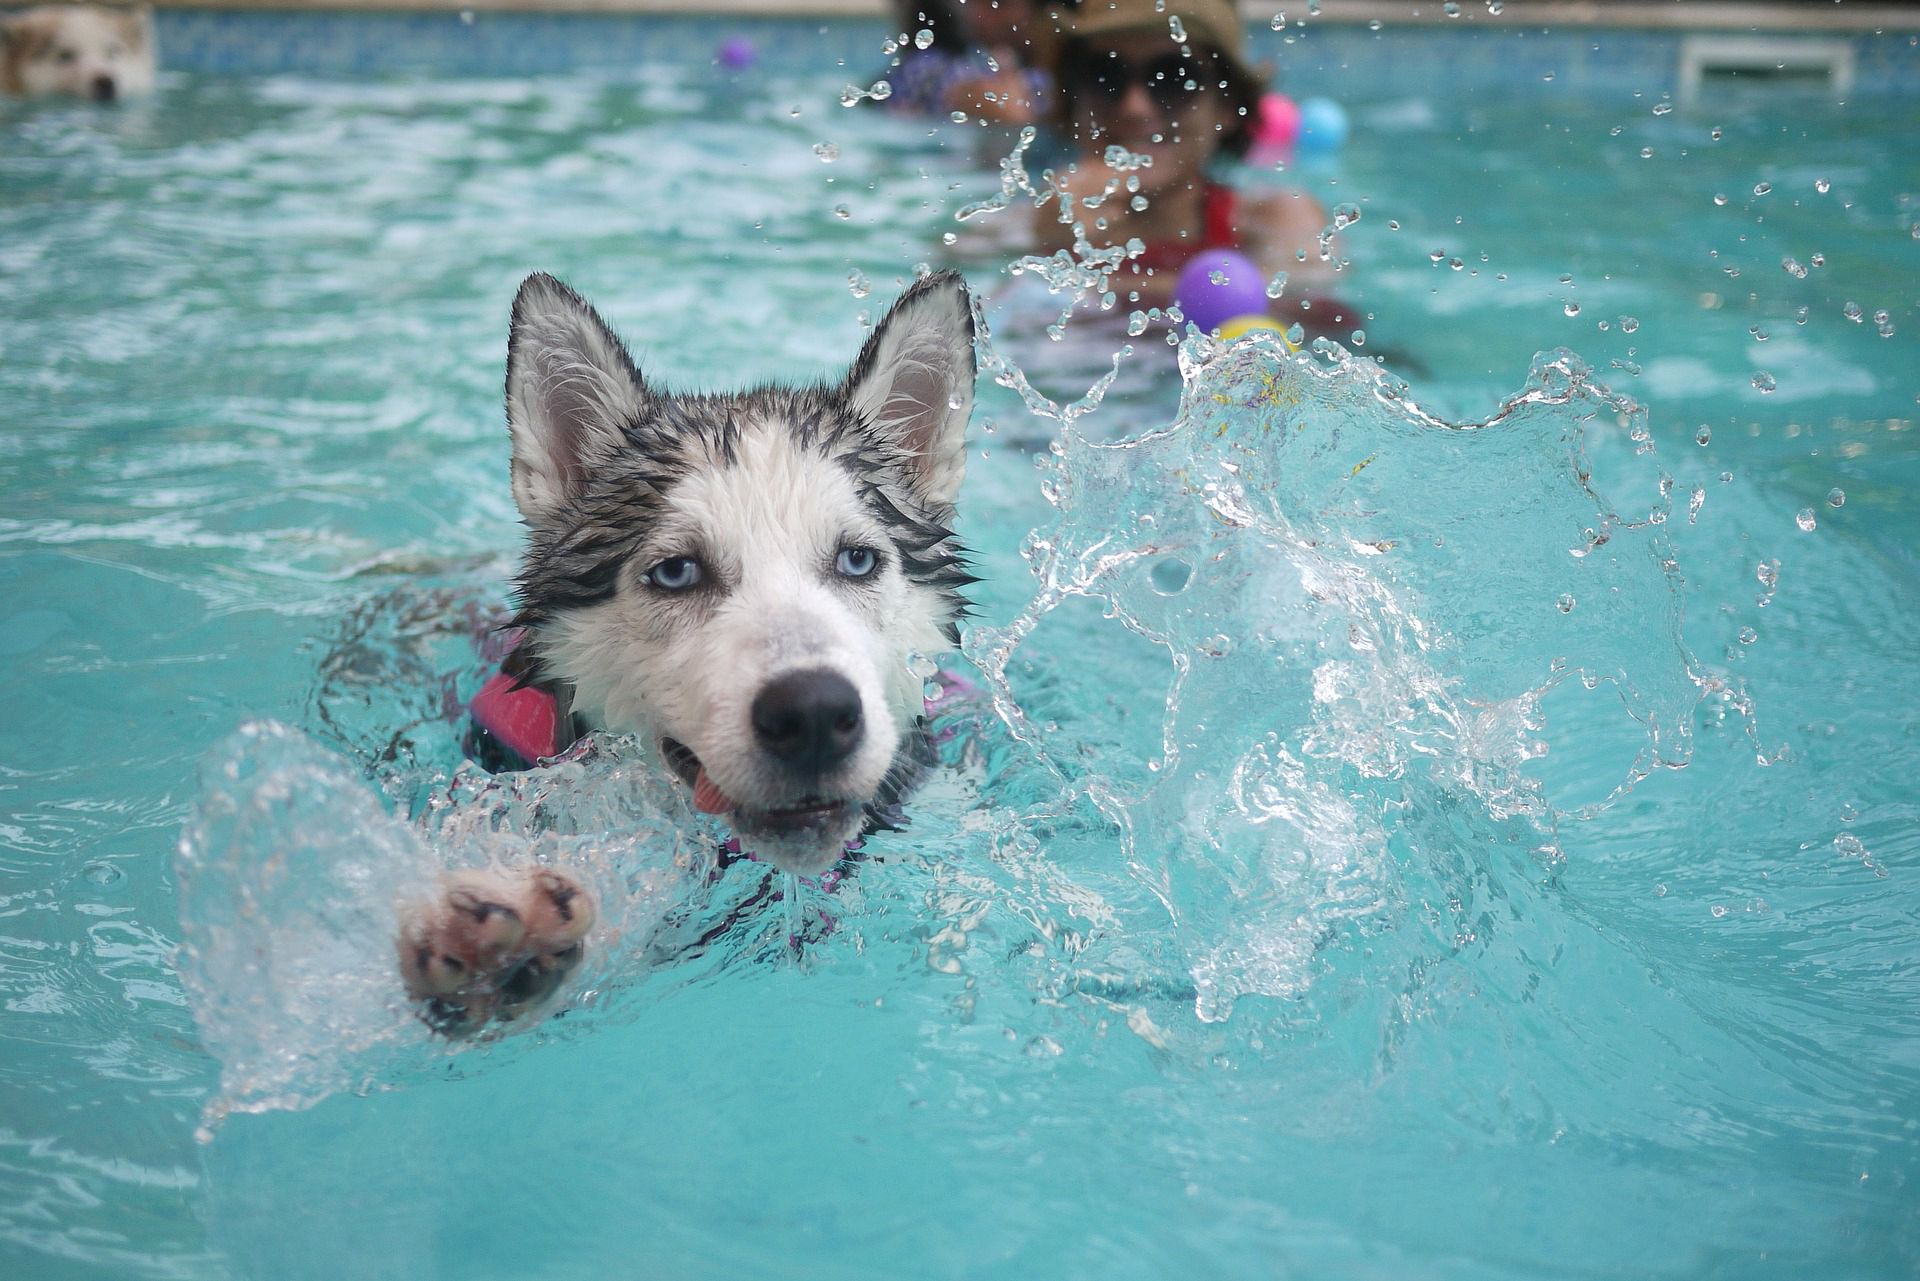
(1312, 973)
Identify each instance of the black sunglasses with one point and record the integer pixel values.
(1171, 80)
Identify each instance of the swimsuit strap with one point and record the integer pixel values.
(1220, 210)
(1219, 218)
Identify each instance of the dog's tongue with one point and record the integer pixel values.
(707, 796)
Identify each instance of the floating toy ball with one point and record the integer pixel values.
(737, 54)
(1241, 326)
(1323, 125)
(1276, 122)
(1218, 284)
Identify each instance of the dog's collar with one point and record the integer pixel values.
(516, 724)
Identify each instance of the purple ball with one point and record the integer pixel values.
(737, 54)
(1208, 303)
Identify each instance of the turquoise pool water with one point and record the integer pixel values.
(1276, 924)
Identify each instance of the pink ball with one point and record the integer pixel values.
(1208, 303)
(1276, 123)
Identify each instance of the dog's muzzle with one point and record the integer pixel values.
(809, 720)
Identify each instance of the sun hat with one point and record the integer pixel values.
(1214, 23)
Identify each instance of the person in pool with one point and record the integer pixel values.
(977, 63)
(1185, 106)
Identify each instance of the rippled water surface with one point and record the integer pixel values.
(1453, 819)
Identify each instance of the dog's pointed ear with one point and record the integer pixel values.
(572, 391)
(913, 382)
(139, 25)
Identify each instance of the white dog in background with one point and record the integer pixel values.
(80, 51)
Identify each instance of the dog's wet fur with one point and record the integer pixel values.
(741, 580)
(77, 51)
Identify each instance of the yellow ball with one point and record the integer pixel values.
(1241, 326)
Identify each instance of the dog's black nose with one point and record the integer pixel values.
(809, 719)
(104, 89)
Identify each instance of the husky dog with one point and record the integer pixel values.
(82, 51)
(740, 579)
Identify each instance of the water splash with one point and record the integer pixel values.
(293, 876)
(1355, 656)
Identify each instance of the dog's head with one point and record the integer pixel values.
(744, 579)
(77, 50)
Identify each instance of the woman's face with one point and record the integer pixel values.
(1131, 90)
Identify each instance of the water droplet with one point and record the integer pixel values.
(1278, 285)
(1438, 255)
(923, 39)
(1177, 29)
(466, 17)
(103, 874)
(1793, 267)
(1748, 636)
(1170, 575)
(1836, 498)
(1704, 435)
(1695, 501)
(1646, 153)
(1762, 188)
(1759, 334)
(1768, 574)
(1716, 133)
(1764, 381)
(1359, 338)
(1884, 323)
(1628, 324)
(1854, 311)
(1805, 520)
(1393, 224)
(1345, 216)
(1572, 308)
(1718, 911)
(1374, 24)
(1822, 186)
(1279, 21)
(827, 152)
(1662, 108)
(1719, 198)
(1451, 9)
(858, 284)
(958, 117)
(880, 91)
(1564, 604)
(1818, 260)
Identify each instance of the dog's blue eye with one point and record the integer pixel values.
(856, 562)
(675, 574)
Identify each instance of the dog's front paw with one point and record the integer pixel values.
(493, 945)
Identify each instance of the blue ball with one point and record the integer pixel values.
(1323, 125)
(1209, 303)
